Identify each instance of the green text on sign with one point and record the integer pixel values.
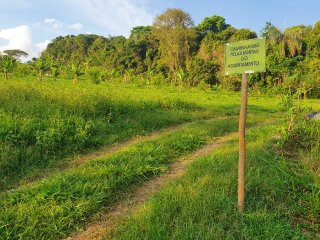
(247, 56)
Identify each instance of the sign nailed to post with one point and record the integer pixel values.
(247, 56)
(244, 57)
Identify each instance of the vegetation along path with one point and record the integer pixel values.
(161, 101)
(105, 152)
(108, 151)
(282, 199)
(100, 228)
(65, 202)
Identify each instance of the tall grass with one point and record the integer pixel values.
(59, 205)
(43, 123)
(282, 199)
(302, 139)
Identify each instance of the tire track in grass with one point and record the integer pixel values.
(66, 202)
(102, 227)
(105, 152)
(119, 147)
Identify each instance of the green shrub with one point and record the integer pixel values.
(94, 74)
(201, 71)
(299, 131)
(304, 134)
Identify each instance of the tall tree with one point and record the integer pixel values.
(313, 40)
(16, 53)
(243, 34)
(285, 51)
(174, 29)
(292, 41)
(140, 31)
(214, 24)
(271, 33)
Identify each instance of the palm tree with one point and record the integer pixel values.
(77, 71)
(41, 67)
(7, 63)
(88, 62)
(54, 69)
(182, 75)
(290, 41)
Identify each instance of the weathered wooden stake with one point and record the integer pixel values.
(242, 142)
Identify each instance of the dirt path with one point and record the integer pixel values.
(119, 147)
(104, 152)
(101, 228)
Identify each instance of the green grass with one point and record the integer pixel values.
(282, 199)
(43, 123)
(59, 205)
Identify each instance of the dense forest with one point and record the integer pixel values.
(175, 51)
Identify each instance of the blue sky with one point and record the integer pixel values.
(31, 24)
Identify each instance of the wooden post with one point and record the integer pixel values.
(242, 142)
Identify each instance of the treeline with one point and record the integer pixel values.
(173, 50)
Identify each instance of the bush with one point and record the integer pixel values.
(305, 135)
(202, 71)
(300, 132)
(94, 74)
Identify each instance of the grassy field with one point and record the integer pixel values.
(44, 124)
(282, 202)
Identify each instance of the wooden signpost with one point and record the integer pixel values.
(244, 57)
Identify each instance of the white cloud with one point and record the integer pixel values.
(17, 38)
(52, 22)
(75, 26)
(117, 17)
(106, 17)
(43, 45)
(57, 24)
(21, 38)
